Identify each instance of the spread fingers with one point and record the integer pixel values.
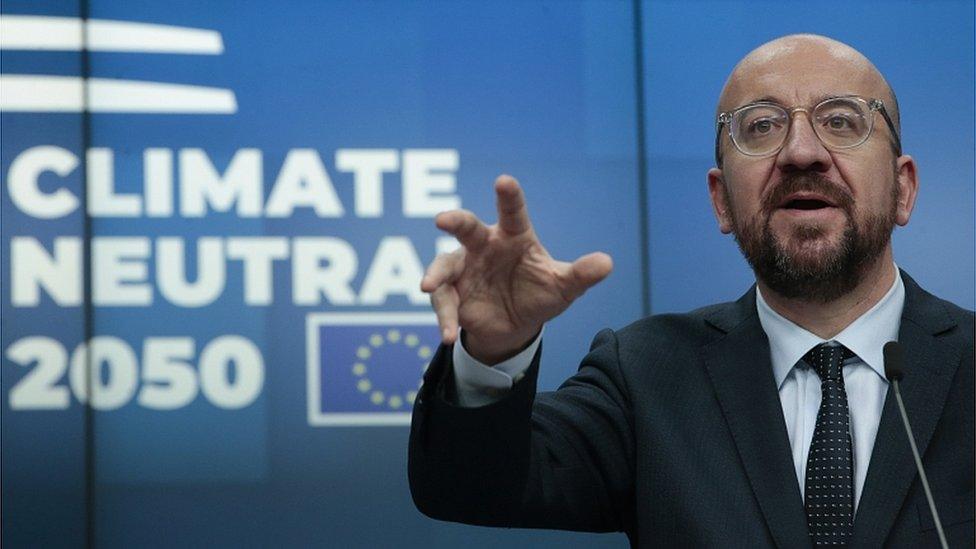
(465, 226)
(443, 270)
(445, 301)
(513, 215)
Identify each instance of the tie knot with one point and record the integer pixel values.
(827, 360)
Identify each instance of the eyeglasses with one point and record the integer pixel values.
(761, 129)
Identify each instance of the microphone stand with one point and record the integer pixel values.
(918, 465)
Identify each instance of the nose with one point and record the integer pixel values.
(803, 150)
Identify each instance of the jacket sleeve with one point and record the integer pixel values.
(560, 460)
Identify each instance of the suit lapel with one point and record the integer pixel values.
(741, 373)
(929, 368)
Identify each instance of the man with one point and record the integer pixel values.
(763, 422)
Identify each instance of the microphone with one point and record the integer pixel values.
(894, 365)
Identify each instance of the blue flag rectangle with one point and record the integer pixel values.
(366, 368)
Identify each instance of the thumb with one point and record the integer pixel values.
(588, 270)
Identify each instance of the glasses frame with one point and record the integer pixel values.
(874, 105)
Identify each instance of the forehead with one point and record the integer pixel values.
(801, 73)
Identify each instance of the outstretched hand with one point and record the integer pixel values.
(502, 285)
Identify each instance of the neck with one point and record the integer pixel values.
(826, 320)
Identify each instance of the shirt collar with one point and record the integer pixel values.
(865, 337)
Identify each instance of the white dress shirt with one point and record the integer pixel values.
(864, 379)
(799, 385)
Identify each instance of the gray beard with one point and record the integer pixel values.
(835, 272)
(833, 275)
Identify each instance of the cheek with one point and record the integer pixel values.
(744, 202)
(871, 184)
(748, 180)
(868, 175)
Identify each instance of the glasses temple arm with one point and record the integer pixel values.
(891, 128)
(718, 139)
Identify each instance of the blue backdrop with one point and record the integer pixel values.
(254, 231)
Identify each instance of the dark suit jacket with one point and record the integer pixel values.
(672, 432)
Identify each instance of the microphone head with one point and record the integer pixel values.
(894, 361)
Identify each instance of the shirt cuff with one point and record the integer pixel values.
(478, 384)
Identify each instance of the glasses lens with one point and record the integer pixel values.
(843, 122)
(760, 129)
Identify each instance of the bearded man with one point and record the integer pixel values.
(764, 422)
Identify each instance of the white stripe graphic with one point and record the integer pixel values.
(30, 32)
(36, 93)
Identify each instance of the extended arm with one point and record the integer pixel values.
(555, 460)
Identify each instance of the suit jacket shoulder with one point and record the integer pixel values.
(672, 431)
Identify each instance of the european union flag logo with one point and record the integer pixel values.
(366, 368)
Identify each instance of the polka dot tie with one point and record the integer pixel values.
(829, 492)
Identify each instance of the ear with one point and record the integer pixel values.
(720, 204)
(907, 173)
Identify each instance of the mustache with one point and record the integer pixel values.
(808, 182)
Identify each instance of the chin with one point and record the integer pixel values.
(812, 244)
(813, 260)
(810, 264)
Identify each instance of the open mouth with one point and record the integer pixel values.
(806, 201)
(806, 204)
